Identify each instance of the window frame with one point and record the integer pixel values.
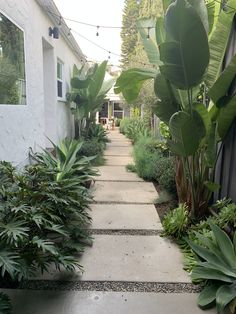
(61, 80)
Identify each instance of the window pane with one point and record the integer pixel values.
(59, 70)
(59, 89)
(118, 114)
(117, 106)
(12, 63)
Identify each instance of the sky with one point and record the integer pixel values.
(97, 12)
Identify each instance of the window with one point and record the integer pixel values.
(118, 110)
(12, 63)
(60, 80)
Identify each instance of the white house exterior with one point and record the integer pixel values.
(45, 115)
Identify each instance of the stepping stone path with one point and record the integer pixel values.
(130, 268)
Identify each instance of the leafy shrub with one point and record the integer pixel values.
(98, 133)
(175, 222)
(134, 128)
(152, 164)
(164, 173)
(124, 124)
(5, 304)
(217, 265)
(130, 168)
(146, 156)
(117, 122)
(44, 212)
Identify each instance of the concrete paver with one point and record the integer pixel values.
(133, 258)
(118, 151)
(123, 216)
(86, 302)
(118, 173)
(126, 258)
(118, 160)
(126, 192)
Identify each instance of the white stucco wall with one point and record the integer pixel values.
(27, 126)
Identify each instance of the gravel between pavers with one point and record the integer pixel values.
(116, 286)
(131, 232)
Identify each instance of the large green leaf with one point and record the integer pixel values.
(5, 304)
(226, 116)
(167, 105)
(187, 132)
(190, 43)
(160, 31)
(165, 4)
(208, 273)
(207, 296)
(106, 86)
(219, 42)
(146, 29)
(210, 255)
(201, 10)
(224, 295)
(213, 11)
(225, 245)
(97, 80)
(8, 262)
(165, 109)
(129, 83)
(222, 84)
(211, 145)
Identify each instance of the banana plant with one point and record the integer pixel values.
(88, 93)
(190, 58)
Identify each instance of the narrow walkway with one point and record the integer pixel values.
(130, 268)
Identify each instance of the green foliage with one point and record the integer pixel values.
(164, 130)
(92, 148)
(176, 221)
(129, 33)
(88, 92)
(44, 212)
(152, 164)
(217, 265)
(181, 39)
(134, 128)
(96, 131)
(130, 168)
(146, 155)
(164, 174)
(5, 304)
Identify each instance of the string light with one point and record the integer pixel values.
(93, 25)
(97, 34)
(69, 33)
(109, 55)
(148, 34)
(60, 23)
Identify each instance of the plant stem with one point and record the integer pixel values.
(193, 196)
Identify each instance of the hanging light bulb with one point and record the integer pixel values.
(69, 33)
(148, 34)
(60, 23)
(97, 34)
(109, 56)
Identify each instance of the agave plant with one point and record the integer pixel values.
(217, 265)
